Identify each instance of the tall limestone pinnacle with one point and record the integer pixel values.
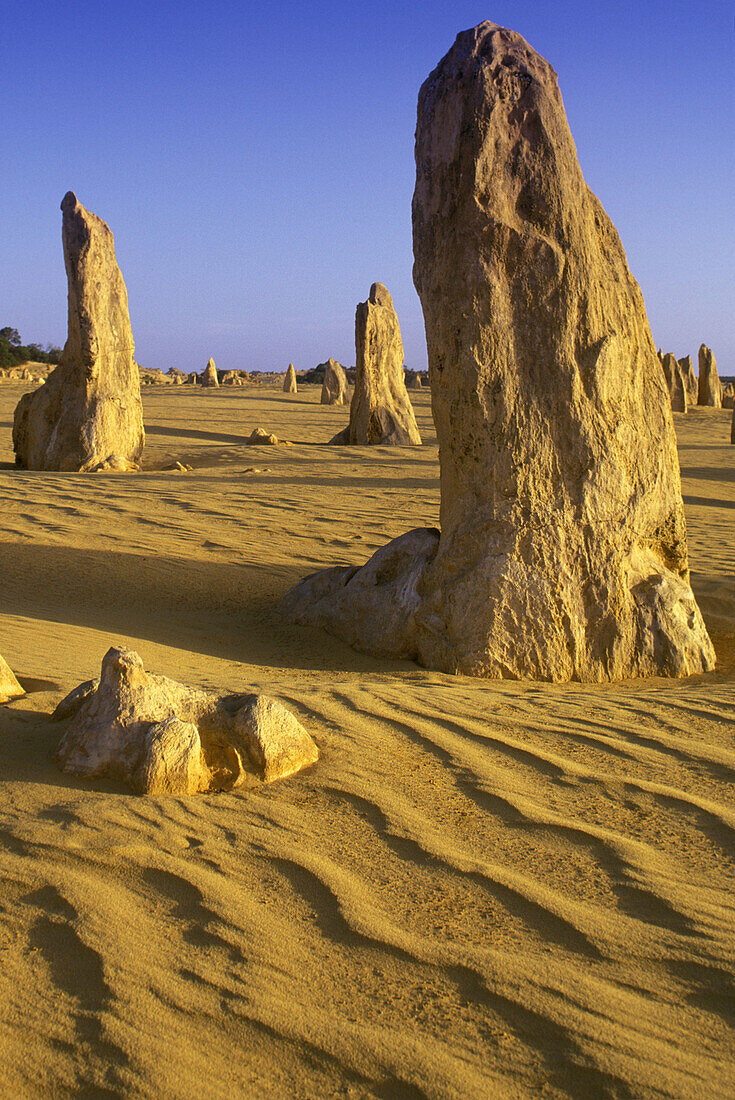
(563, 549)
(562, 553)
(89, 412)
(381, 410)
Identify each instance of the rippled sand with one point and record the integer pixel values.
(482, 889)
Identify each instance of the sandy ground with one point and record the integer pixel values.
(481, 890)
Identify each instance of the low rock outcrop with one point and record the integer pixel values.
(380, 411)
(162, 737)
(9, 686)
(259, 437)
(289, 382)
(563, 552)
(89, 408)
(334, 386)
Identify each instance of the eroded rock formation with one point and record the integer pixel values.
(289, 382)
(674, 382)
(89, 411)
(209, 374)
(691, 385)
(563, 549)
(162, 737)
(9, 686)
(710, 387)
(380, 411)
(334, 386)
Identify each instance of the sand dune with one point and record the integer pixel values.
(482, 889)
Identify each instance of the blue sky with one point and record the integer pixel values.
(255, 161)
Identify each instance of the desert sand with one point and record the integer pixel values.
(483, 889)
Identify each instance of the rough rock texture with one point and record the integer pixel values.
(381, 410)
(334, 387)
(728, 396)
(563, 548)
(372, 608)
(9, 686)
(413, 380)
(209, 374)
(259, 437)
(289, 382)
(691, 383)
(674, 382)
(162, 737)
(710, 387)
(732, 426)
(90, 407)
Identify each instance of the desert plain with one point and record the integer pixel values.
(482, 889)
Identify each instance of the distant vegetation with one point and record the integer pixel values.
(13, 353)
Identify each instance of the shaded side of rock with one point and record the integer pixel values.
(90, 406)
(373, 608)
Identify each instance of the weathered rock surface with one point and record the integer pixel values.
(259, 437)
(563, 549)
(209, 374)
(89, 407)
(674, 382)
(732, 426)
(380, 411)
(289, 382)
(334, 387)
(710, 387)
(691, 383)
(162, 737)
(372, 608)
(413, 380)
(728, 396)
(9, 686)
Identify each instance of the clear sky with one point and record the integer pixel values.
(255, 161)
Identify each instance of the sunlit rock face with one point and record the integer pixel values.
(88, 415)
(563, 550)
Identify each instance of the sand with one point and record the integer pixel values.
(481, 890)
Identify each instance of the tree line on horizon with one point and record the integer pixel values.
(13, 353)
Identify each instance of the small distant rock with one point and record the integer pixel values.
(289, 382)
(209, 374)
(381, 410)
(260, 437)
(710, 387)
(691, 385)
(334, 387)
(674, 382)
